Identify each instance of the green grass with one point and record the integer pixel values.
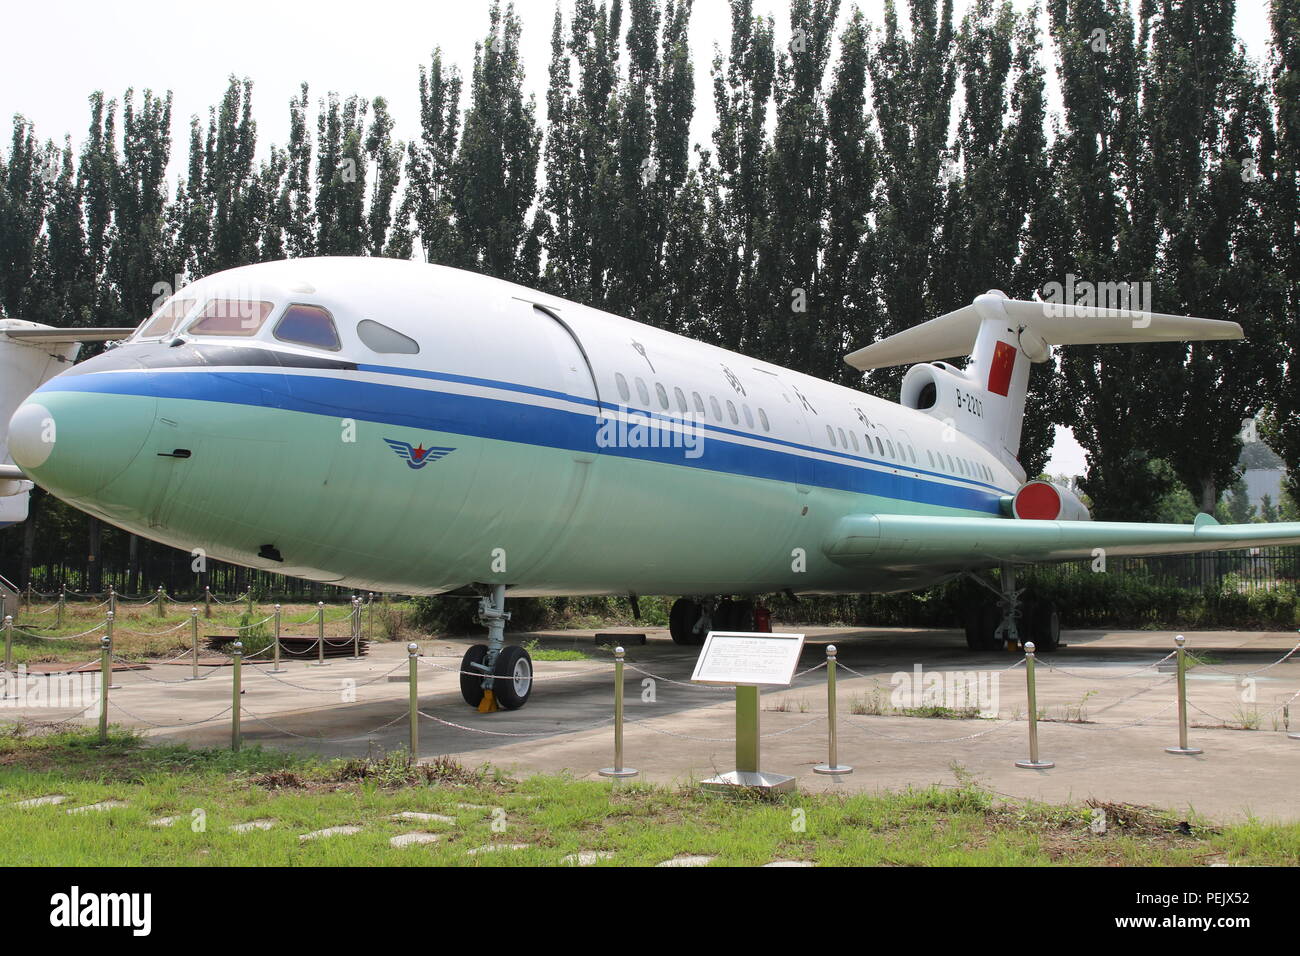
(555, 815)
(539, 653)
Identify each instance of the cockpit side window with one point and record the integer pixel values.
(380, 338)
(308, 325)
(231, 317)
(166, 318)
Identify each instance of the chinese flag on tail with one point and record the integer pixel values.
(1004, 361)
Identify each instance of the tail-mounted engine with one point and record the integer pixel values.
(1045, 501)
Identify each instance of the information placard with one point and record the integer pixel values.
(748, 659)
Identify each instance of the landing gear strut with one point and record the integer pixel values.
(507, 680)
(689, 621)
(1012, 619)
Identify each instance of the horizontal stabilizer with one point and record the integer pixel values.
(905, 541)
(1038, 325)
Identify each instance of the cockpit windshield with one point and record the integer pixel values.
(231, 317)
(167, 317)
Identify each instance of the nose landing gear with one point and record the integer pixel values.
(507, 672)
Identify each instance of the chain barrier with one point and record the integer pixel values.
(1258, 670)
(135, 667)
(146, 720)
(535, 677)
(170, 630)
(332, 690)
(502, 733)
(1091, 676)
(323, 740)
(1258, 716)
(52, 637)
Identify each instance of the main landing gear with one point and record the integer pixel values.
(1011, 619)
(689, 620)
(507, 680)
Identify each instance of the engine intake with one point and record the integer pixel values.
(1045, 501)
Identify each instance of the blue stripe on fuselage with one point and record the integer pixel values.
(506, 420)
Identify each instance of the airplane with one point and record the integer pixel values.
(399, 426)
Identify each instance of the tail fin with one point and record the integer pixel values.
(1003, 337)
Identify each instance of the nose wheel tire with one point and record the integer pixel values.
(471, 678)
(512, 682)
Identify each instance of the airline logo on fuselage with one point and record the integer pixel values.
(417, 457)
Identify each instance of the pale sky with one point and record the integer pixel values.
(56, 54)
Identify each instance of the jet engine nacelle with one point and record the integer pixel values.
(1045, 501)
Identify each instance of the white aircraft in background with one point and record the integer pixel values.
(388, 425)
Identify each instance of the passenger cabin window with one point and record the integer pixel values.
(830, 436)
(681, 400)
(731, 413)
(623, 391)
(308, 325)
(844, 442)
(762, 417)
(661, 395)
(929, 454)
(854, 438)
(167, 317)
(231, 317)
(717, 409)
(642, 392)
(699, 404)
(749, 417)
(380, 338)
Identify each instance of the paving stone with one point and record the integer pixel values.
(51, 800)
(495, 847)
(416, 815)
(470, 806)
(163, 821)
(790, 863)
(688, 861)
(586, 857)
(409, 839)
(98, 807)
(252, 825)
(330, 831)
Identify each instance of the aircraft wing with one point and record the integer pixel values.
(905, 541)
(39, 336)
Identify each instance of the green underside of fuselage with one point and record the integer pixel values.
(341, 507)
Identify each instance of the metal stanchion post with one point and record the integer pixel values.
(105, 669)
(194, 643)
(237, 653)
(10, 688)
(413, 653)
(112, 599)
(250, 600)
(1286, 722)
(1033, 763)
(356, 628)
(276, 668)
(320, 633)
(162, 602)
(370, 616)
(1182, 747)
(63, 600)
(207, 601)
(618, 770)
(832, 766)
(109, 621)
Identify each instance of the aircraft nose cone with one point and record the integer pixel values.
(76, 443)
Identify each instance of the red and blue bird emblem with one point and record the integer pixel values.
(417, 457)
